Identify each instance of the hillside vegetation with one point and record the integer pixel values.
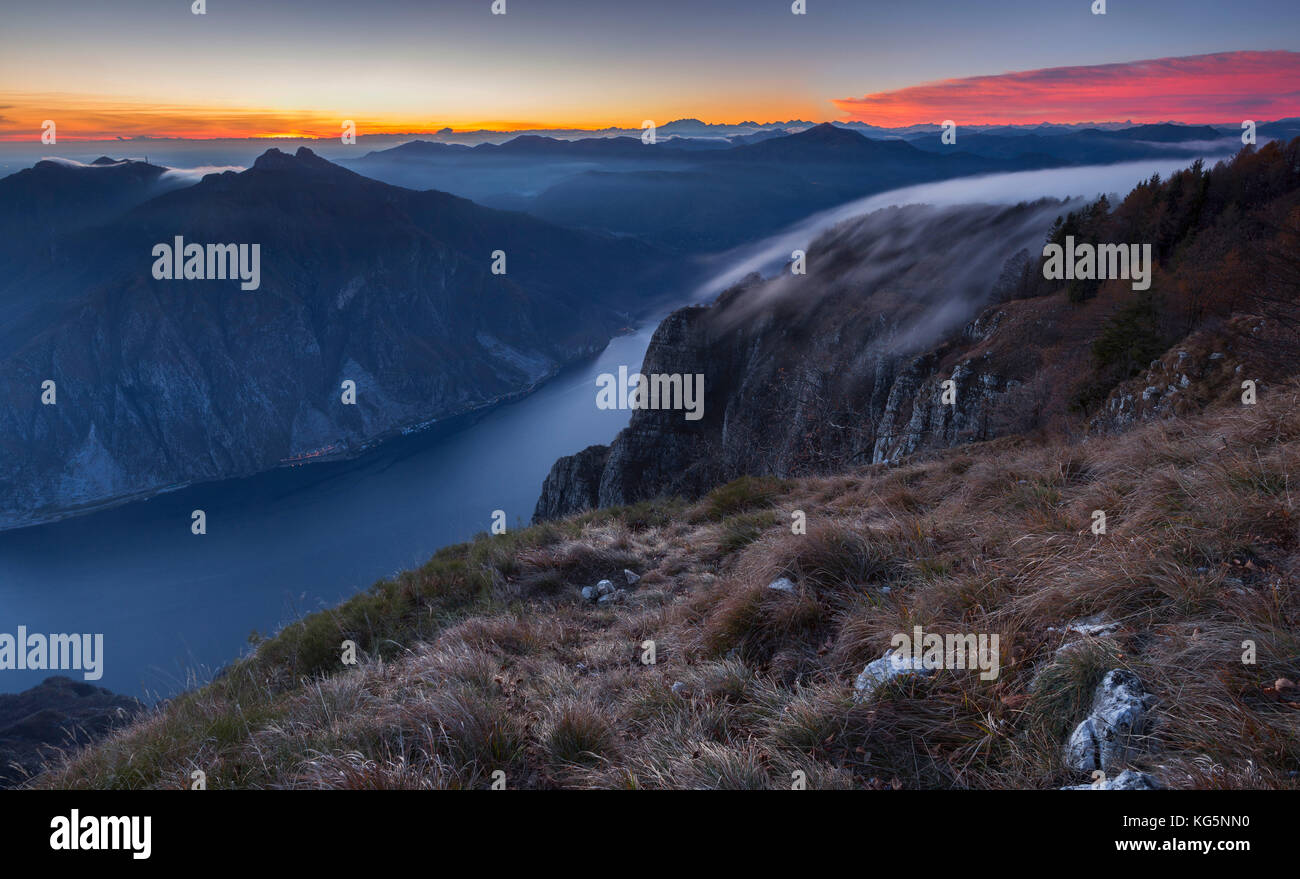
(487, 658)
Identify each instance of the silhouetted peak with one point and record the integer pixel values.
(275, 160)
(828, 132)
(531, 142)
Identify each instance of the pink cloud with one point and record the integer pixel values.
(1222, 87)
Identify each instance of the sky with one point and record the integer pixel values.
(107, 68)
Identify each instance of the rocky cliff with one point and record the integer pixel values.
(159, 382)
(843, 365)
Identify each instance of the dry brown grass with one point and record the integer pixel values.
(499, 666)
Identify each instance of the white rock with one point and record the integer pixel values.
(589, 593)
(891, 665)
(631, 576)
(1093, 626)
(782, 584)
(1126, 780)
(604, 587)
(1112, 731)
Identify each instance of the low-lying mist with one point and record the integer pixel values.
(1086, 182)
(926, 258)
(920, 270)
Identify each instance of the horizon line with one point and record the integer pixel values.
(612, 130)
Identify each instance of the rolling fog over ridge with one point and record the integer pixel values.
(391, 508)
(768, 255)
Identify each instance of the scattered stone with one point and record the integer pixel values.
(891, 665)
(611, 597)
(1094, 626)
(782, 584)
(589, 593)
(1126, 780)
(1105, 738)
(631, 576)
(604, 587)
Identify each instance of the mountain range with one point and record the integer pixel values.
(166, 382)
(388, 284)
(691, 194)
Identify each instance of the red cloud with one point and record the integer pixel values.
(1223, 87)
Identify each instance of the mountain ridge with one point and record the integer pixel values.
(167, 382)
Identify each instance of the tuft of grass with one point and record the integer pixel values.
(578, 732)
(740, 531)
(740, 496)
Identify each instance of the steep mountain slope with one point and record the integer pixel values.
(489, 659)
(41, 267)
(162, 382)
(56, 716)
(54, 196)
(800, 370)
(846, 365)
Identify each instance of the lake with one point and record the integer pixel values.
(174, 606)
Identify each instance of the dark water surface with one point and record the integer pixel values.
(172, 605)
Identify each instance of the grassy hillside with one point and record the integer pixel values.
(487, 658)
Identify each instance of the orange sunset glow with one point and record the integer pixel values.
(1196, 89)
(88, 117)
